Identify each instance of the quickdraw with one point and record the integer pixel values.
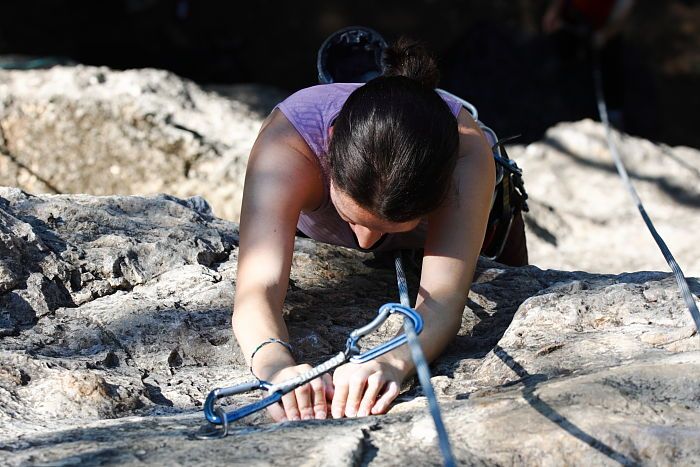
(219, 419)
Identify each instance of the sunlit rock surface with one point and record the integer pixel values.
(115, 324)
(98, 131)
(93, 130)
(583, 218)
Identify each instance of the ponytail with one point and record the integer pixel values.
(409, 58)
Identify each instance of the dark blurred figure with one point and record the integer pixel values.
(584, 26)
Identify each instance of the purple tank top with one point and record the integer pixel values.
(312, 112)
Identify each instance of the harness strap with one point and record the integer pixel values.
(510, 196)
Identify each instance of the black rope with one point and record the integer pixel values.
(422, 369)
(603, 111)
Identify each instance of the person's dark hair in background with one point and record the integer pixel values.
(395, 141)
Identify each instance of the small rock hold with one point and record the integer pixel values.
(174, 359)
(111, 360)
(549, 349)
(653, 295)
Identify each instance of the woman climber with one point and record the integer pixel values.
(390, 164)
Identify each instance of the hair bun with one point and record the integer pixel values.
(409, 58)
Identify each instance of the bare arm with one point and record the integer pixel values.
(455, 235)
(282, 179)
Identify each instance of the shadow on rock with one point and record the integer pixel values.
(530, 383)
(676, 192)
(32, 276)
(496, 294)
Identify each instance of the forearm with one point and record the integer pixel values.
(254, 321)
(257, 310)
(264, 262)
(442, 319)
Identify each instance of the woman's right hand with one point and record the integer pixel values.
(311, 400)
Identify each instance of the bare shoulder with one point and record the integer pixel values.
(277, 131)
(475, 155)
(281, 159)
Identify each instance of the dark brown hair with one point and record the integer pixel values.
(394, 144)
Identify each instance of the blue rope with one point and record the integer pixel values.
(422, 369)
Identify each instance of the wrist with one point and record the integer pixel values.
(400, 361)
(267, 360)
(269, 371)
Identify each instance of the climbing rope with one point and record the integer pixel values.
(673, 264)
(422, 369)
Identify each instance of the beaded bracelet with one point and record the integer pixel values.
(271, 340)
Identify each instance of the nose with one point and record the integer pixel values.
(365, 237)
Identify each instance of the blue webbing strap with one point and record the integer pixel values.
(680, 278)
(422, 369)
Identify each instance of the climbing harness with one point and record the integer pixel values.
(510, 195)
(603, 111)
(219, 420)
(422, 369)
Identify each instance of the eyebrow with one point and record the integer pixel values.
(348, 220)
(340, 213)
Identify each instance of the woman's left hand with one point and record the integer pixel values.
(363, 389)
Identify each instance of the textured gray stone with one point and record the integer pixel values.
(116, 325)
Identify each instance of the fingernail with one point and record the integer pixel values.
(350, 412)
(295, 418)
(362, 413)
(321, 415)
(306, 417)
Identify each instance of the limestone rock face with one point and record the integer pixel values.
(98, 131)
(115, 324)
(93, 130)
(582, 217)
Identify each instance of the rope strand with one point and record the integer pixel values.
(673, 264)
